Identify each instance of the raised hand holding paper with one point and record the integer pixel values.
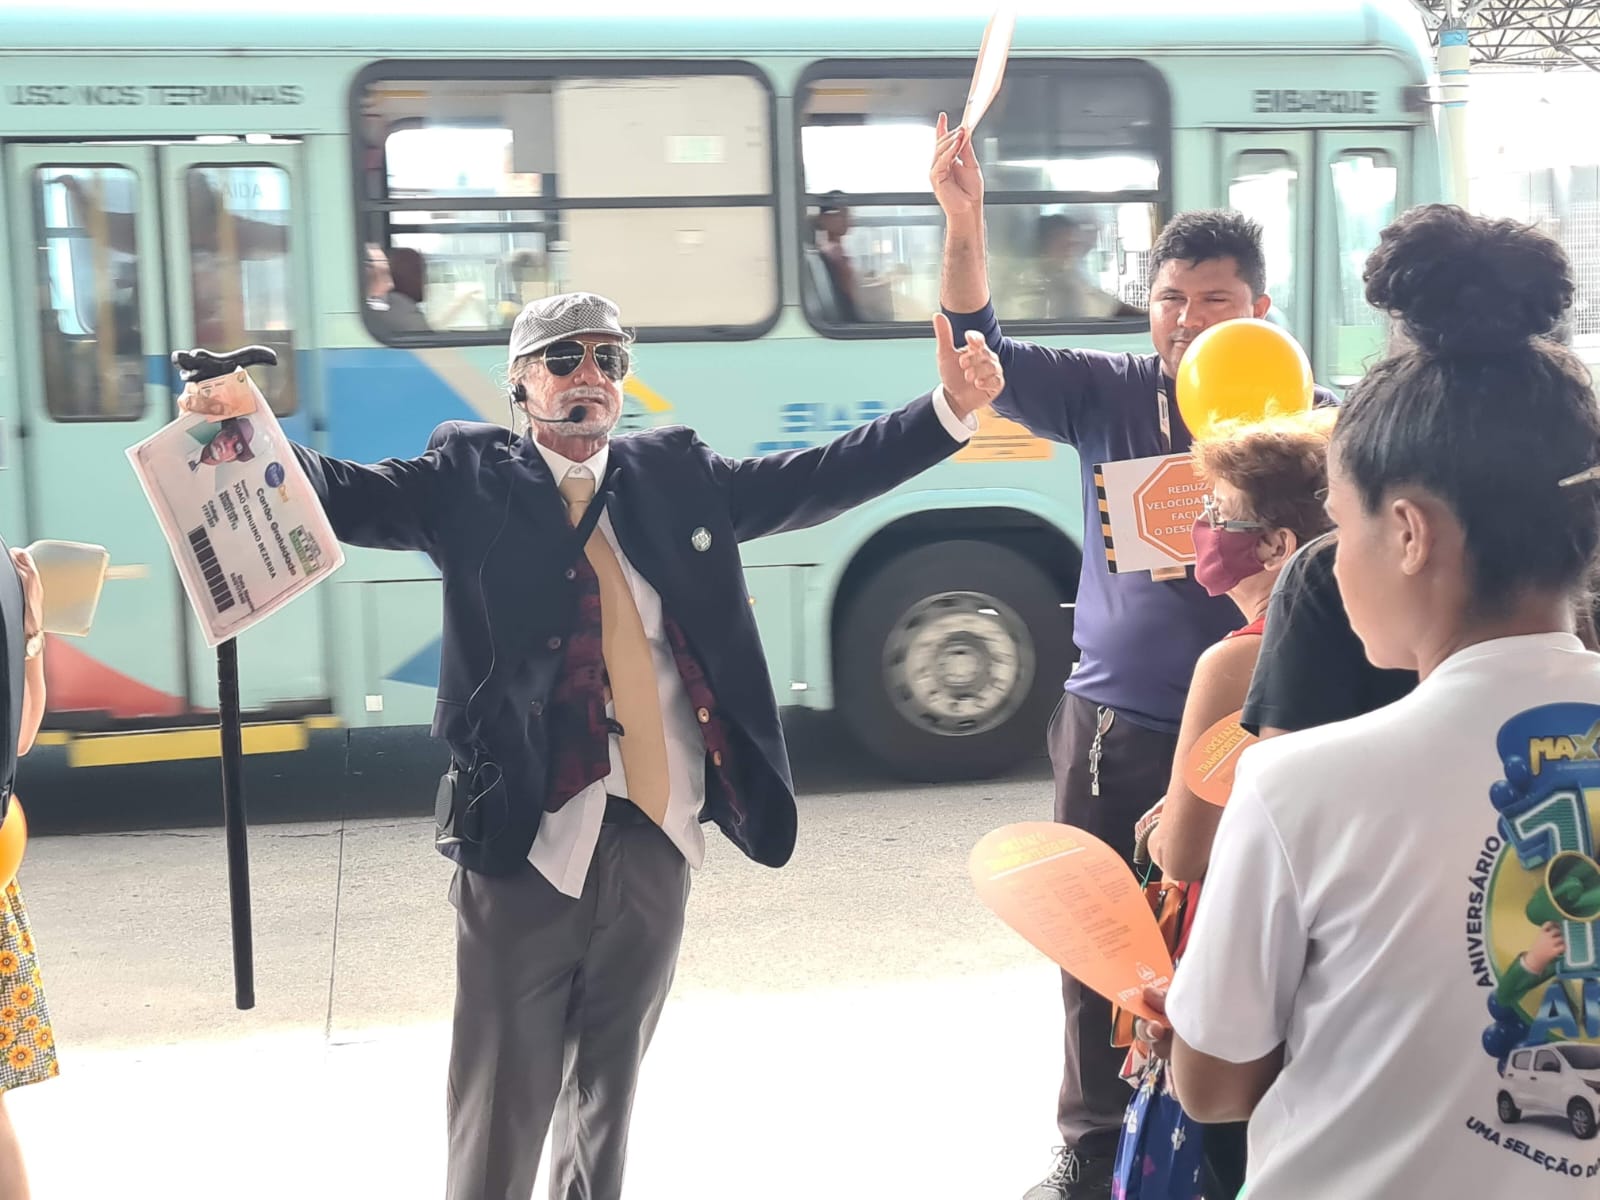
(72, 574)
(991, 69)
(1072, 896)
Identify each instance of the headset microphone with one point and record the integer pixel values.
(519, 398)
(578, 415)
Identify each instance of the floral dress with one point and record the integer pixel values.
(27, 1042)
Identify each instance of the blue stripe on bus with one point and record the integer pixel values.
(422, 668)
(384, 403)
(159, 372)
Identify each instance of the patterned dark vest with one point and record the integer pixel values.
(575, 717)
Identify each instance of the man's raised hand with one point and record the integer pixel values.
(972, 376)
(957, 181)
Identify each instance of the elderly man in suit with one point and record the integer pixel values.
(603, 692)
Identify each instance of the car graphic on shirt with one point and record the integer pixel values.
(1561, 1080)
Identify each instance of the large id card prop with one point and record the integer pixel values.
(243, 523)
(1148, 508)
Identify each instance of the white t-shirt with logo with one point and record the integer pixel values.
(1407, 901)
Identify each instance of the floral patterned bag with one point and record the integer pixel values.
(1160, 1153)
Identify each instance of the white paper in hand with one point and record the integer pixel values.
(245, 527)
(991, 69)
(71, 574)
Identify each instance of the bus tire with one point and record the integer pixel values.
(950, 659)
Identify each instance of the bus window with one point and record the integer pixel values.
(89, 293)
(1365, 186)
(239, 256)
(653, 189)
(1072, 157)
(1266, 188)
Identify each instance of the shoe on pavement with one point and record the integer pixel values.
(1073, 1177)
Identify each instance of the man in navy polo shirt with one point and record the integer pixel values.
(1113, 735)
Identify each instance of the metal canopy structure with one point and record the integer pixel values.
(1522, 34)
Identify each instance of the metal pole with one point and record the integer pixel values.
(1454, 65)
(197, 366)
(233, 816)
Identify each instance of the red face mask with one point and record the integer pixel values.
(1224, 558)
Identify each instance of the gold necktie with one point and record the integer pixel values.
(629, 663)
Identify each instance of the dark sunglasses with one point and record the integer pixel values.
(563, 358)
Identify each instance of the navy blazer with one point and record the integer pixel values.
(482, 504)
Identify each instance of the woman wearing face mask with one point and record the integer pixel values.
(1268, 482)
(1395, 972)
(1267, 485)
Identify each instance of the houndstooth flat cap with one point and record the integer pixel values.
(555, 317)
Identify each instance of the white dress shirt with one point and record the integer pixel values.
(565, 844)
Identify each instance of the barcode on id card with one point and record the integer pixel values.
(206, 557)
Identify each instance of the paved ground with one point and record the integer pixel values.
(855, 1025)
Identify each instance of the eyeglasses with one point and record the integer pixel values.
(563, 358)
(1209, 514)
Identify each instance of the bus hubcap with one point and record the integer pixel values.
(958, 663)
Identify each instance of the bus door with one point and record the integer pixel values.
(1268, 176)
(1363, 185)
(121, 254)
(238, 274)
(89, 302)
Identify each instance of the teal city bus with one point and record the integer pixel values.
(376, 196)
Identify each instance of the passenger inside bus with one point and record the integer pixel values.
(832, 223)
(392, 311)
(1061, 289)
(408, 270)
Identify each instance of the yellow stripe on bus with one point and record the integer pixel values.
(652, 400)
(121, 749)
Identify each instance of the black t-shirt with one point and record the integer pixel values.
(1312, 668)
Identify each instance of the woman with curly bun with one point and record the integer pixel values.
(1395, 973)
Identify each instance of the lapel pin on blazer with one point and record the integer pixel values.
(700, 539)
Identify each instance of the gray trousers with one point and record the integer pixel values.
(556, 1001)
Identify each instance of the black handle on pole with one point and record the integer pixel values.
(233, 816)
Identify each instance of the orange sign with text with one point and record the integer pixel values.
(1074, 898)
(1165, 507)
(1000, 440)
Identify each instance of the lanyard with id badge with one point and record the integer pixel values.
(1164, 411)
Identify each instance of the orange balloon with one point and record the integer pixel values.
(1242, 370)
(13, 840)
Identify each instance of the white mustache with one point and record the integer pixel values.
(586, 393)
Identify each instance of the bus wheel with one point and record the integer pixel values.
(950, 658)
